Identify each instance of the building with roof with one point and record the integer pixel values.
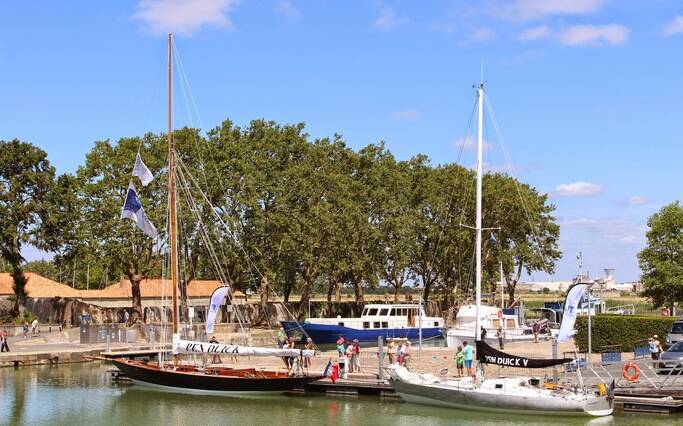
(153, 292)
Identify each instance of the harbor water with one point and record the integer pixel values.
(83, 394)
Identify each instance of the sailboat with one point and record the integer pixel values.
(518, 395)
(186, 378)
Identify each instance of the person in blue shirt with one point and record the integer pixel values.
(468, 357)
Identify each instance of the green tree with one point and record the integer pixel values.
(26, 178)
(528, 236)
(661, 262)
(43, 268)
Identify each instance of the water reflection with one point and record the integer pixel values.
(83, 394)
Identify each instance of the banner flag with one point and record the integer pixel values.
(216, 301)
(571, 304)
(132, 209)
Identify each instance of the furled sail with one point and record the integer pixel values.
(490, 355)
(192, 347)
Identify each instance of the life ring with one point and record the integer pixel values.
(630, 372)
(500, 313)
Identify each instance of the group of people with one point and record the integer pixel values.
(349, 353)
(463, 359)
(286, 342)
(400, 352)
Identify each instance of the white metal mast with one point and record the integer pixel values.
(480, 140)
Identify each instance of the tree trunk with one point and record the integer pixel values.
(305, 295)
(182, 296)
(338, 291)
(263, 291)
(358, 289)
(137, 299)
(331, 285)
(19, 291)
(18, 277)
(397, 292)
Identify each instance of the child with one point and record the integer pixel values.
(460, 361)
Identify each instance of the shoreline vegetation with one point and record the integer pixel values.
(296, 216)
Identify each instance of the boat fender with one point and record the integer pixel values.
(630, 372)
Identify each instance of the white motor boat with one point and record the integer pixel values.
(491, 318)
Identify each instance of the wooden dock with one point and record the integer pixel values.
(353, 387)
(134, 353)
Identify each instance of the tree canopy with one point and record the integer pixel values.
(26, 180)
(294, 214)
(661, 262)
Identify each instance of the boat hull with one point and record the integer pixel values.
(193, 382)
(324, 333)
(499, 403)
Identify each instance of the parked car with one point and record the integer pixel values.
(671, 360)
(675, 334)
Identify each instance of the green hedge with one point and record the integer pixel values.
(624, 330)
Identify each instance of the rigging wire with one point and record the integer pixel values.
(517, 186)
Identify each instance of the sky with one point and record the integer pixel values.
(587, 94)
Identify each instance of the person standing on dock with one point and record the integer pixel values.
(340, 345)
(500, 334)
(355, 356)
(34, 327)
(468, 357)
(390, 350)
(3, 341)
(25, 330)
(308, 361)
(460, 361)
(406, 353)
(281, 337)
(215, 359)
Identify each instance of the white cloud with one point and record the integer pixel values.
(406, 115)
(577, 189)
(464, 142)
(636, 200)
(445, 28)
(183, 16)
(287, 9)
(482, 34)
(593, 35)
(388, 19)
(535, 9)
(611, 229)
(535, 33)
(674, 27)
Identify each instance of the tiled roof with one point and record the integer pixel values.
(39, 286)
(151, 288)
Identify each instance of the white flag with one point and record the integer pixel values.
(216, 302)
(140, 170)
(132, 209)
(574, 296)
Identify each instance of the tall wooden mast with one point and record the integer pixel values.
(173, 231)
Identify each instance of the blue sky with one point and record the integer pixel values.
(587, 93)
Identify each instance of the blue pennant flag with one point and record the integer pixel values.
(132, 209)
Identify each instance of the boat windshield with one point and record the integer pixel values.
(372, 311)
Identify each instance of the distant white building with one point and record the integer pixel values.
(606, 283)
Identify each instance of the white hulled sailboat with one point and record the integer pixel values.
(522, 395)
